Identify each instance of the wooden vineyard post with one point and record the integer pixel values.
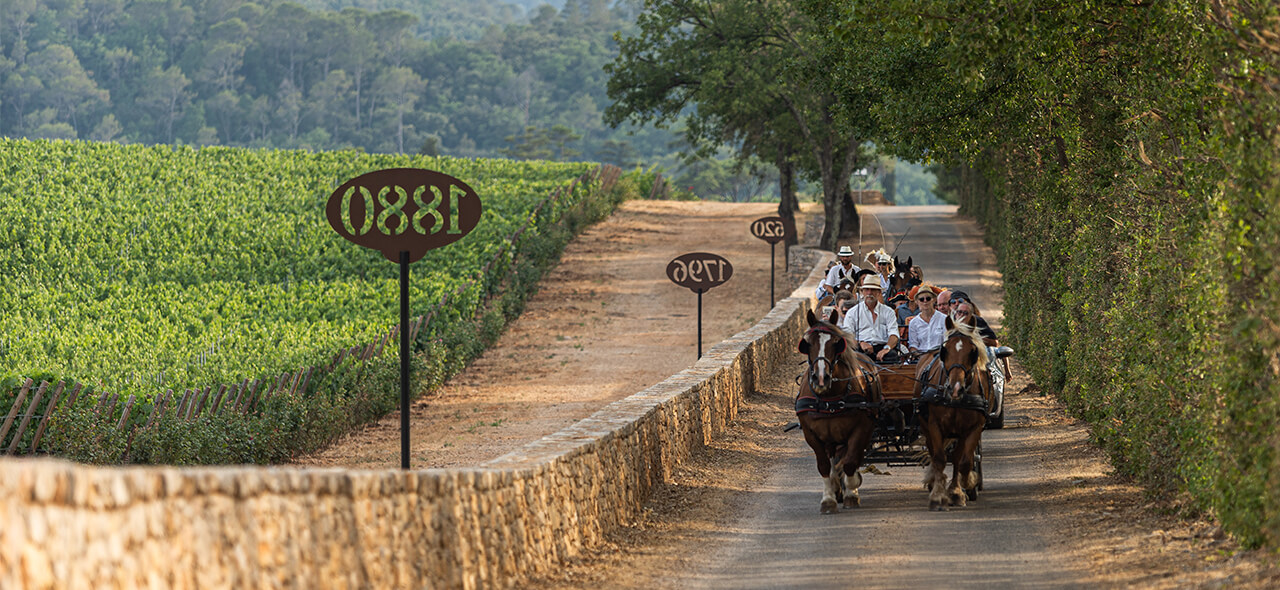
(124, 417)
(75, 394)
(26, 420)
(13, 411)
(217, 399)
(159, 407)
(110, 408)
(48, 411)
(418, 228)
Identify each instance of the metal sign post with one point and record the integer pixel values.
(403, 213)
(772, 230)
(699, 272)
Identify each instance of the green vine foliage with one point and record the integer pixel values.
(236, 262)
(1124, 159)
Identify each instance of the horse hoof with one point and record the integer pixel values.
(971, 493)
(937, 506)
(958, 500)
(830, 507)
(852, 502)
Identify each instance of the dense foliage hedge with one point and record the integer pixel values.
(1129, 185)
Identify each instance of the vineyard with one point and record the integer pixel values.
(193, 305)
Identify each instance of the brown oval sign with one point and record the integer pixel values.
(769, 229)
(403, 210)
(699, 271)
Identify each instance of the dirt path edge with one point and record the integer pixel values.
(748, 353)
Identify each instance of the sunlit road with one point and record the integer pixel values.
(893, 541)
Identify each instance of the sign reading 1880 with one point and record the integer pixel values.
(403, 210)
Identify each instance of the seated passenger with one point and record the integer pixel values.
(845, 300)
(928, 329)
(872, 325)
(836, 275)
(961, 302)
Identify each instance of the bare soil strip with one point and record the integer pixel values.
(606, 323)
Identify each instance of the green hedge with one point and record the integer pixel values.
(1129, 189)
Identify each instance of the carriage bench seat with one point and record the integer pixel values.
(898, 382)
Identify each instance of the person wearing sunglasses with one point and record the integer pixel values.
(997, 364)
(928, 329)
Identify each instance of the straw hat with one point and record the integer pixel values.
(870, 282)
(845, 251)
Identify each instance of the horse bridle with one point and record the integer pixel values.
(968, 376)
(839, 358)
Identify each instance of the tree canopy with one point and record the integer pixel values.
(744, 73)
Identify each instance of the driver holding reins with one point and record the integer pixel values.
(873, 325)
(837, 274)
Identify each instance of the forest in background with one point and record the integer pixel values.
(279, 74)
(482, 78)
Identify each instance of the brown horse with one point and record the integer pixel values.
(955, 388)
(900, 278)
(835, 407)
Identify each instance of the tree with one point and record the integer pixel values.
(165, 93)
(399, 89)
(532, 144)
(68, 88)
(745, 69)
(560, 136)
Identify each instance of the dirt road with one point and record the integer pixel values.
(1052, 514)
(605, 323)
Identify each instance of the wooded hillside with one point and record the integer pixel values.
(475, 81)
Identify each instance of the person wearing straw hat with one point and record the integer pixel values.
(836, 275)
(872, 324)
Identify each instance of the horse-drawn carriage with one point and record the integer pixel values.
(927, 411)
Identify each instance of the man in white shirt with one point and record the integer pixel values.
(872, 324)
(837, 273)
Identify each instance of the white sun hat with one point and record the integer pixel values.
(845, 251)
(870, 282)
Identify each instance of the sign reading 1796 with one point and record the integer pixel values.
(403, 210)
(699, 271)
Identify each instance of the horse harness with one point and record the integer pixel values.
(937, 394)
(829, 405)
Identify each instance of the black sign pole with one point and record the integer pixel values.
(404, 359)
(355, 215)
(699, 323)
(773, 246)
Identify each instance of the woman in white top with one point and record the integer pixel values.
(928, 329)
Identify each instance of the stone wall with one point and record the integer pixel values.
(64, 525)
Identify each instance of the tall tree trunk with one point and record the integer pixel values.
(787, 202)
(849, 221)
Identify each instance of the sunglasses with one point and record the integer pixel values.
(924, 299)
(883, 263)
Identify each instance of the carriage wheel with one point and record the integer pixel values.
(977, 464)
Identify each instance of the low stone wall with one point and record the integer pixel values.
(64, 525)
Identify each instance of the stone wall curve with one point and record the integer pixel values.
(65, 525)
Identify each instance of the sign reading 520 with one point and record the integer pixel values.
(403, 210)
